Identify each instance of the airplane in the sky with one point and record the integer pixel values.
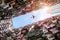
(33, 17)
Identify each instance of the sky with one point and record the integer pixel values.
(40, 14)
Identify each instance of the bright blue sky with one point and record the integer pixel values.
(24, 19)
(39, 15)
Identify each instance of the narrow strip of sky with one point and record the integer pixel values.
(40, 14)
